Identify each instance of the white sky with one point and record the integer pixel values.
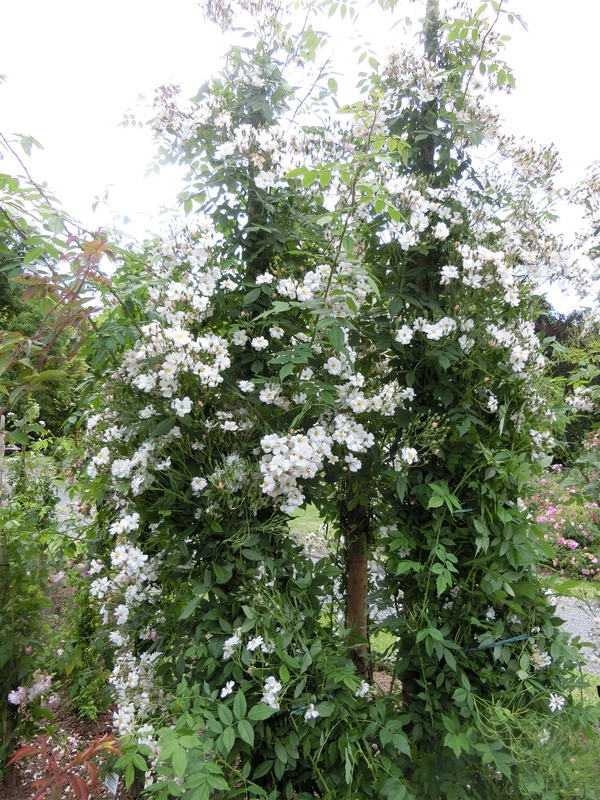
(74, 68)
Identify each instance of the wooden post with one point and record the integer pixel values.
(354, 524)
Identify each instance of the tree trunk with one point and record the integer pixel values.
(429, 113)
(431, 29)
(354, 524)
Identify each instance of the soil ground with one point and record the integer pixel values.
(68, 725)
(66, 729)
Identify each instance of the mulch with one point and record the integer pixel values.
(69, 729)
(66, 731)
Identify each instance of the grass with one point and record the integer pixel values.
(306, 520)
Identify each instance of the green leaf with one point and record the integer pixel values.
(325, 178)
(394, 215)
(190, 607)
(129, 775)
(262, 769)
(401, 487)
(435, 501)
(252, 296)
(351, 304)
(385, 736)
(327, 398)
(465, 426)
(189, 740)
(347, 765)
(246, 732)
(180, 761)
(163, 427)
(261, 711)
(393, 790)
(326, 708)
(239, 705)
(431, 633)
(286, 370)
(18, 437)
(336, 337)
(441, 583)
(281, 752)
(217, 782)
(223, 572)
(199, 793)
(48, 375)
(226, 740)
(139, 762)
(225, 714)
(54, 224)
(309, 177)
(401, 743)
(16, 394)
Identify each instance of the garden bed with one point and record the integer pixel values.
(71, 734)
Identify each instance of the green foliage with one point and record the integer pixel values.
(348, 322)
(47, 275)
(574, 363)
(26, 523)
(81, 663)
(245, 746)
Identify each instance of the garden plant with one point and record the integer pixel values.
(46, 273)
(345, 318)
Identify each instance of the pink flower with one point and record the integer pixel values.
(17, 696)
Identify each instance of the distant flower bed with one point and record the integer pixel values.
(570, 523)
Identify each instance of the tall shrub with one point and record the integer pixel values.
(345, 320)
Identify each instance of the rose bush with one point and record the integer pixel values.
(346, 319)
(569, 521)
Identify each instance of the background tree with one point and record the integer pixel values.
(45, 283)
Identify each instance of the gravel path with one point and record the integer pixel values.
(582, 618)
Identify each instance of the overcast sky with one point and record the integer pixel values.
(74, 68)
